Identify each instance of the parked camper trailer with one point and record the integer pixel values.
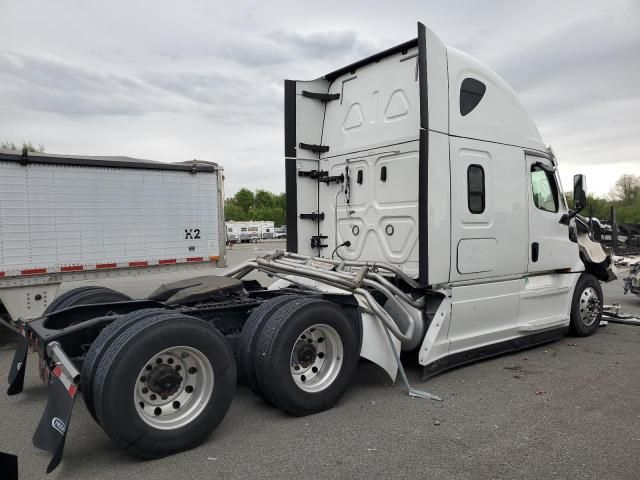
(251, 231)
(425, 213)
(81, 220)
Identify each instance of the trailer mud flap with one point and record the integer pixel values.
(18, 367)
(51, 433)
(8, 466)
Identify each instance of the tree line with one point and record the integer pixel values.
(246, 205)
(19, 148)
(624, 196)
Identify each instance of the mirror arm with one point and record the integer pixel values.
(567, 217)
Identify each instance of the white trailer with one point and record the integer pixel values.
(424, 213)
(250, 231)
(80, 220)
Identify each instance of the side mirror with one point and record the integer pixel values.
(579, 192)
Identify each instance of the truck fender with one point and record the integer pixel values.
(596, 261)
(436, 343)
(375, 345)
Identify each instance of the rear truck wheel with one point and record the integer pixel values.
(247, 343)
(164, 384)
(306, 355)
(100, 345)
(586, 306)
(85, 296)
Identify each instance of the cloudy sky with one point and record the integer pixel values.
(169, 80)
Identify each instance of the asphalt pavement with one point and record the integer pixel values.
(568, 409)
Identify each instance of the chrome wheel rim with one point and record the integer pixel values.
(589, 306)
(173, 387)
(316, 358)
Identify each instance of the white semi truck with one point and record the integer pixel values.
(74, 221)
(425, 213)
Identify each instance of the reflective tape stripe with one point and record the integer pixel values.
(107, 265)
(72, 389)
(72, 268)
(104, 266)
(138, 264)
(33, 271)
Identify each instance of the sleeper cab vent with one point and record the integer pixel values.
(471, 92)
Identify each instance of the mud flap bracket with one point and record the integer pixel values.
(18, 367)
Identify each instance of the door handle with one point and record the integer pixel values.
(535, 251)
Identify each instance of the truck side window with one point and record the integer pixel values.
(545, 190)
(471, 92)
(475, 188)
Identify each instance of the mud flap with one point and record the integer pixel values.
(8, 466)
(18, 367)
(54, 424)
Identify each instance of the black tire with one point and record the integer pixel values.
(85, 296)
(274, 353)
(582, 304)
(100, 345)
(247, 343)
(118, 374)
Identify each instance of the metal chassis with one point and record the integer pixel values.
(62, 337)
(358, 278)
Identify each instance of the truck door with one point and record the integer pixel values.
(549, 245)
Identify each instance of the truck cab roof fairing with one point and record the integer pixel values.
(499, 116)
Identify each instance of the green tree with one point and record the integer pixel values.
(626, 189)
(263, 205)
(263, 199)
(245, 199)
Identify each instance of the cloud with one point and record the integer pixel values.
(204, 80)
(46, 83)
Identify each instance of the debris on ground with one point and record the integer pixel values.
(513, 367)
(540, 392)
(613, 313)
(437, 422)
(620, 261)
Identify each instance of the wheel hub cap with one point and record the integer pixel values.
(173, 387)
(316, 358)
(590, 306)
(164, 381)
(305, 353)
